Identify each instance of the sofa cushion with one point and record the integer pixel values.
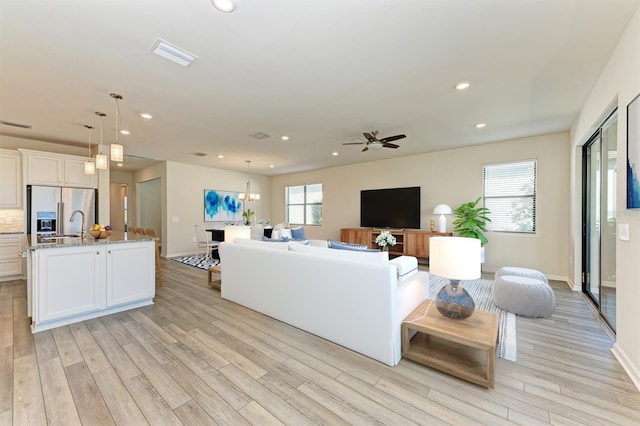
(256, 243)
(275, 240)
(348, 246)
(365, 256)
(405, 264)
(298, 233)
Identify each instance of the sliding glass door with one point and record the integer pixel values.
(599, 219)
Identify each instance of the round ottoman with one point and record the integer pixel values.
(521, 272)
(529, 297)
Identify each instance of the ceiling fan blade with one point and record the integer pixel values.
(369, 136)
(390, 145)
(393, 138)
(353, 143)
(366, 148)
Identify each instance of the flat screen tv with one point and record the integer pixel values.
(397, 208)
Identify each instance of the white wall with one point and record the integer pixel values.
(126, 178)
(185, 201)
(618, 84)
(453, 177)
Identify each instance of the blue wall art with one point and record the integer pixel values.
(633, 154)
(221, 206)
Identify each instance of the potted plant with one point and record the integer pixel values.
(247, 216)
(471, 221)
(385, 239)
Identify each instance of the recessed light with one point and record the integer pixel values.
(146, 115)
(220, 156)
(271, 166)
(335, 154)
(461, 85)
(481, 125)
(224, 5)
(284, 138)
(172, 53)
(125, 132)
(119, 164)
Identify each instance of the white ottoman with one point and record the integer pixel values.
(521, 272)
(529, 297)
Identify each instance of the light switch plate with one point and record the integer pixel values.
(623, 231)
(175, 219)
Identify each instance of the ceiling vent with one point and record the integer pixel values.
(260, 135)
(9, 123)
(172, 53)
(200, 154)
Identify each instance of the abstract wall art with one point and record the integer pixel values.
(222, 206)
(633, 154)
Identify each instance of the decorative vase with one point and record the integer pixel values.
(454, 302)
(385, 248)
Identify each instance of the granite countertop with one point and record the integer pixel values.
(115, 238)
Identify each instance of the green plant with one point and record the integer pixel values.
(247, 216)
(471, 221)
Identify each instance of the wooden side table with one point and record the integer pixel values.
(463, 348)
(217, 284)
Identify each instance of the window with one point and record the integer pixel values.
(510, 195)
(304, 204)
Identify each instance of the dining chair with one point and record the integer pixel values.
(203, 242)
(152, 233)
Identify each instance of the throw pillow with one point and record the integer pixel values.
(274, 240)
(286, 232)
(348, 246)
(298, 233)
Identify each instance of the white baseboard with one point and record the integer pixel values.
(629, 368)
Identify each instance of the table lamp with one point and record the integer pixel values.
(455, 258)
(442, 209)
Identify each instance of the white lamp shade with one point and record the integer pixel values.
(455, 258)
(442, 209)
(233, 232)
(117, 152)
(89, 168)
(101, 162)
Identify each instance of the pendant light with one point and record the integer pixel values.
(89, 165)
(117, 150)
(248, 195)
(101, 159)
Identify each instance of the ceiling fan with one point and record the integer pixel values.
(374, 143)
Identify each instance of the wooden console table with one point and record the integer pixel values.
(463, 348)
(409, 242)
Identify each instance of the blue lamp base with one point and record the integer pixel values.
(454, 302)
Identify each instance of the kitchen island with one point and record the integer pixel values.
(71, 279)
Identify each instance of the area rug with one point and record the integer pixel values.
(199, 261)
(480, 290)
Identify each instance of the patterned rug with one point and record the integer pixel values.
(199, 262)
(480, 290)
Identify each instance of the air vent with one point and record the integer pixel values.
(172, 53)
(200, 154)
(260, 135)
(9, 123)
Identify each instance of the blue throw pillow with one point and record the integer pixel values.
(298, 233)
(281, 240)
(348, 246)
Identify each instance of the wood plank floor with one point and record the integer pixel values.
(195, 359)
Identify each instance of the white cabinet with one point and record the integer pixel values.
(45, 168)
(10, 260)
(71, 281)
(10, 188)
(130, 273)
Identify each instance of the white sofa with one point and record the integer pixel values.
(355, 299)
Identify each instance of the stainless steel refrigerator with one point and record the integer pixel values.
(49, 209)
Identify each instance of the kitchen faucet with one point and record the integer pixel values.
(82, 232)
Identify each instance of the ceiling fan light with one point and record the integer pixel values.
(101, 162)
(117, 152)
(375, 145)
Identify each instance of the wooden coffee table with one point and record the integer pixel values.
(463, 348)
(217, 284)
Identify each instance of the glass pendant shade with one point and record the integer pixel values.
(117, 152)
(89, 168)
(101, 162)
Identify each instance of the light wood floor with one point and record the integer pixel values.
(193, 358)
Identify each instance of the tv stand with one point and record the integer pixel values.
(410, 242)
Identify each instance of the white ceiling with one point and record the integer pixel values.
(321, 72)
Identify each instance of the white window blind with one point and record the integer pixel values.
(510, 195)
(304, 204)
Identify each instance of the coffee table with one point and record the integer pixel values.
(463, 348)
(217, 284)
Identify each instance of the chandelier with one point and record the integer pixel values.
(248, 195)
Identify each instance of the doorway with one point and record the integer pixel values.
(118, 211)
(599, 219)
